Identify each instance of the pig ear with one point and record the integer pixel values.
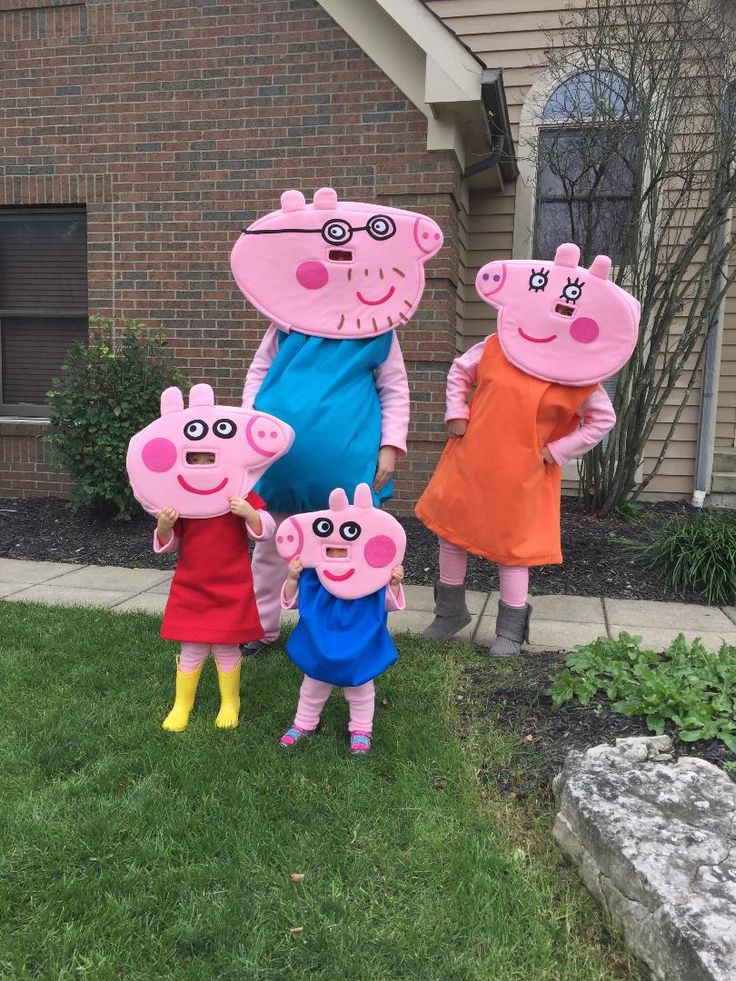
(363, 497)
(325, 198)
(568, 255)
(338, 499)
(601, 266)
(171, 400)
(201, 395)
(292, 201)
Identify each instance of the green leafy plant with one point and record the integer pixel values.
(693, 553)
(109, 389)
(687, 685)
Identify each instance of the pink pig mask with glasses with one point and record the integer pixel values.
(335, 269)
(243, 443)
(352, 547)
(558, 321)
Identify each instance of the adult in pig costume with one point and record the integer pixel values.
(538, 403)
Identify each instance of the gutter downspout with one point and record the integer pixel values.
(711, 367)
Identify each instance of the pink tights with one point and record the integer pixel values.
(313, 695)
(514, 580)
(192, 655)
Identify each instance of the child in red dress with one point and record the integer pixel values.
(211, 605)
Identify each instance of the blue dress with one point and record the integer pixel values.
(339, 641)
(326, 390)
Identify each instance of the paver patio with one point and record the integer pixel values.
(559, 622)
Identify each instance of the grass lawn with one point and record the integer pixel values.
(129, 852)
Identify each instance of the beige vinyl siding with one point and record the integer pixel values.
(726, 415)
(513, 35)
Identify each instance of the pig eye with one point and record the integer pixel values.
(538, 280)
(323, 527)
(572, 291)
(350, 531)
(337, 232)
(196, 429)
(224, 428)
(381, 227)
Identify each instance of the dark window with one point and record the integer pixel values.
(587, 162)
(43, 301)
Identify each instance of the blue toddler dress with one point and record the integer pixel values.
(340, 641)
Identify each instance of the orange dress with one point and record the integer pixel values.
(492, 494)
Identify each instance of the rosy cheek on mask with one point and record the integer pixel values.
(159, 455)
(312, 275)
(584, 330)
(379, 551)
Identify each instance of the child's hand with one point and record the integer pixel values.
(167, 518)
(547, 456)
(239, 506)
(385, 467)
(295, 569)
(456, 427)
(397, 575)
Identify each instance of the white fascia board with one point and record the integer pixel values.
(421, 57)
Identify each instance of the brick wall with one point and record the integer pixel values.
(176, 121)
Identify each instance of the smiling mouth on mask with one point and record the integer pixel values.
(332, 552)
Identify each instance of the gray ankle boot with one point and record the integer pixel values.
(450, 612)
(512, 629)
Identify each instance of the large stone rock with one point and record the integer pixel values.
(655, 843)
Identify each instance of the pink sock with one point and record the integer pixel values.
(192, 656)
(453, 563)
(362, 702)
(228, 656)
(312, 697)
(514, 584)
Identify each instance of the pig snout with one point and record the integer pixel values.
(268, 437)
(289, 539)
(490, 278)
(427, 235)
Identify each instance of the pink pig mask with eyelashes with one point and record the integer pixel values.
(335, 268)
(558, 321)
(242, 443)
(351, 547)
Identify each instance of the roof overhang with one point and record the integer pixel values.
(462, 100)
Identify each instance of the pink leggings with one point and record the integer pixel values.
(313, 695)
(192, 655)
(454, 563)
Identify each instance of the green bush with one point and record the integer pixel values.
(694, 553)
(109, 389)
(693, 688)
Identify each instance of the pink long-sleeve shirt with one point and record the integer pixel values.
(392, 386)
(393, 602)
(596, 412)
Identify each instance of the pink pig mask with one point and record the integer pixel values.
(558, 321)
(364, 542)
(243, 442)
(335, 269)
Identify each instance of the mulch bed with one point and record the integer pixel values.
(596, 559)
(511, 698)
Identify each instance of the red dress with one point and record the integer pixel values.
(212, 599)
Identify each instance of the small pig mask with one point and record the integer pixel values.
(558, 321)
(352, 547)
(242, 442)
(335, 269)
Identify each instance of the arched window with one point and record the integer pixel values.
(587, 162)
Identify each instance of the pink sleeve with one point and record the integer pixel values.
(598, 419)
(289, 604)
(171, 546)
(393, 391)
(461, 377)
(395, 602)
(267, 351)
(267, 529)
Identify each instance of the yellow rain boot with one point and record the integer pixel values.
(229, 714)
(186, 689)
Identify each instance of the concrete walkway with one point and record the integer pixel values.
(559, 622)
